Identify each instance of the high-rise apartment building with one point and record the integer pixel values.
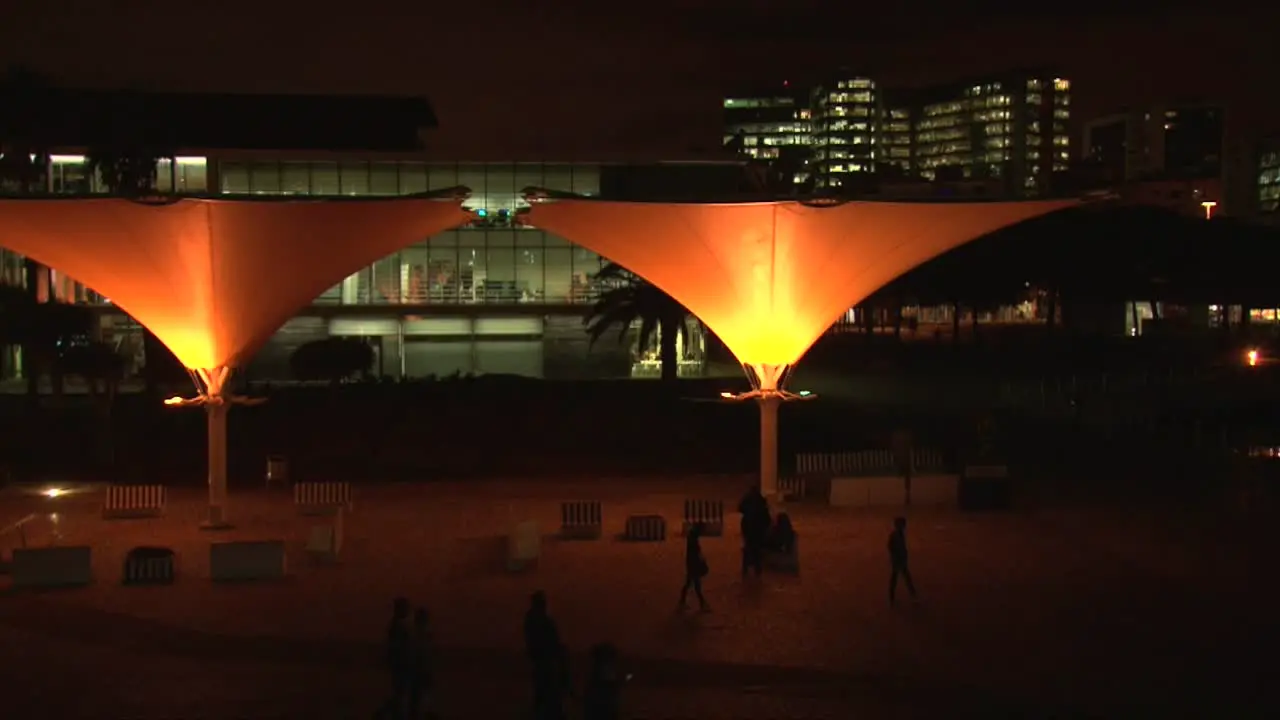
(1011, 129)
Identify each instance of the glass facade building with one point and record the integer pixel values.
(495, 296)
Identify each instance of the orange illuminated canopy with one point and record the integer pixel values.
(770, 278)
(213, 279)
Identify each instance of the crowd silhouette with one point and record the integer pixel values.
(410, 651)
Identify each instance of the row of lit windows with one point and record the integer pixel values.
(944, 121)
(771, 127)
(943, 149)
(475, 267)
(944, 108)
(844, 111)
(862, 97)
(842, 124)
(852, 167)
(496, 184)
(791, 139)
(747, 103)
(69, 174)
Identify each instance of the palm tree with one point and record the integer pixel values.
(629, 298)
(99, 364)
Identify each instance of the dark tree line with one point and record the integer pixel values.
(1099, 254)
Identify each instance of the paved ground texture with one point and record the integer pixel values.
(1067, 612)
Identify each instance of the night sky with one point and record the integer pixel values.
(516, 77)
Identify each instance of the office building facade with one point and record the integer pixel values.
(1268, 180)
(1008, 132)
(1168, 141)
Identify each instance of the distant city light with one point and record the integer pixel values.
(1208, 206)
(54, 492)
(1251, 358)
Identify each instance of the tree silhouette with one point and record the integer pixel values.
(332, 359)
(628, 298)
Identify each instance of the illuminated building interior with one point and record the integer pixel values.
(749, 271)
(1269, 181)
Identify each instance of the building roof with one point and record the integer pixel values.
(84, 118)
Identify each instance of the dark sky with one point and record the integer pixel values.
(570, 75)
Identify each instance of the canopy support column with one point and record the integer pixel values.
(216, 411)
(769, 444)
(211, 385)
(767, 382)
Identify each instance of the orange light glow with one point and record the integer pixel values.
(770, 278)
(175, 400)
(1208, 206)
(214, 279)
(1251, 358)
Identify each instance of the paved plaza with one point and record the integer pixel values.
(1049, 612)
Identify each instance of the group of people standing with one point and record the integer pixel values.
(552, 682)
(409, 657)
(761, 533)
(409, 661)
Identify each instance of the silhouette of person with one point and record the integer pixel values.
(399, 660)
(420, 672)
(548, 658)
(782, 538)
(898, 559)
(755, 530)
(602, 699)
(695, 567)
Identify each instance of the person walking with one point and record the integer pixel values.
(399, 661)
(602, 697)
(898, 559)
(695, 568)
(549, 659)
(755, 530)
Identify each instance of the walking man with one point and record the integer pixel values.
(549, 659)
(695, 568)
(755, 530)
(898, 559)
(399, 660)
